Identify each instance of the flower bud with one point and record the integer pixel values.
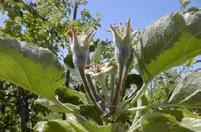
(123, 37)
(80, 48)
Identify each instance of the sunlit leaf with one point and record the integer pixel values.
(96, 58)
(72, 124)
(158, 122)
(32, 68)
(168, 42)
(193, 124)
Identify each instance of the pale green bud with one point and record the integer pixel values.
(123, 37)
(80, 48)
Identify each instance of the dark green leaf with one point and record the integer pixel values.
(68, 60)
(90, 112)
(176, 113)
(67, 95)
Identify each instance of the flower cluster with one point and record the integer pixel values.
(123, 37)
(80, 44)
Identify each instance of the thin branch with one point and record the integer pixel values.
(89, 88)
(75, 11)
(23, 110)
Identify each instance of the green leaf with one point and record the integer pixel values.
(168, 42)
(92, 126)
(67, 95)
(184, 3)
(54, 107)
(74, 23)
(48, 104)
(188, 91)
(68, 60)
(173, 112)
(72, 124)
(190, 62)
(35, 69)
(90, 112)
(59, 126)
(193, 124)
(158, 122)
(97, 53)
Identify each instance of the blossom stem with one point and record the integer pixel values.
(118, 88)
(98, 100)
(89, 88)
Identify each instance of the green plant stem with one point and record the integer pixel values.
(134, 124)
(140, 108)
(151, 106)
(134, 99)
(133, 129)
(62, 106)
(139, 94)
(138, 113)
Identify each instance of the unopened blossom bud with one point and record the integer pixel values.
(80, 48)
(123, 37)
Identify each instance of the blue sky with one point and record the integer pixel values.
(141, 12)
